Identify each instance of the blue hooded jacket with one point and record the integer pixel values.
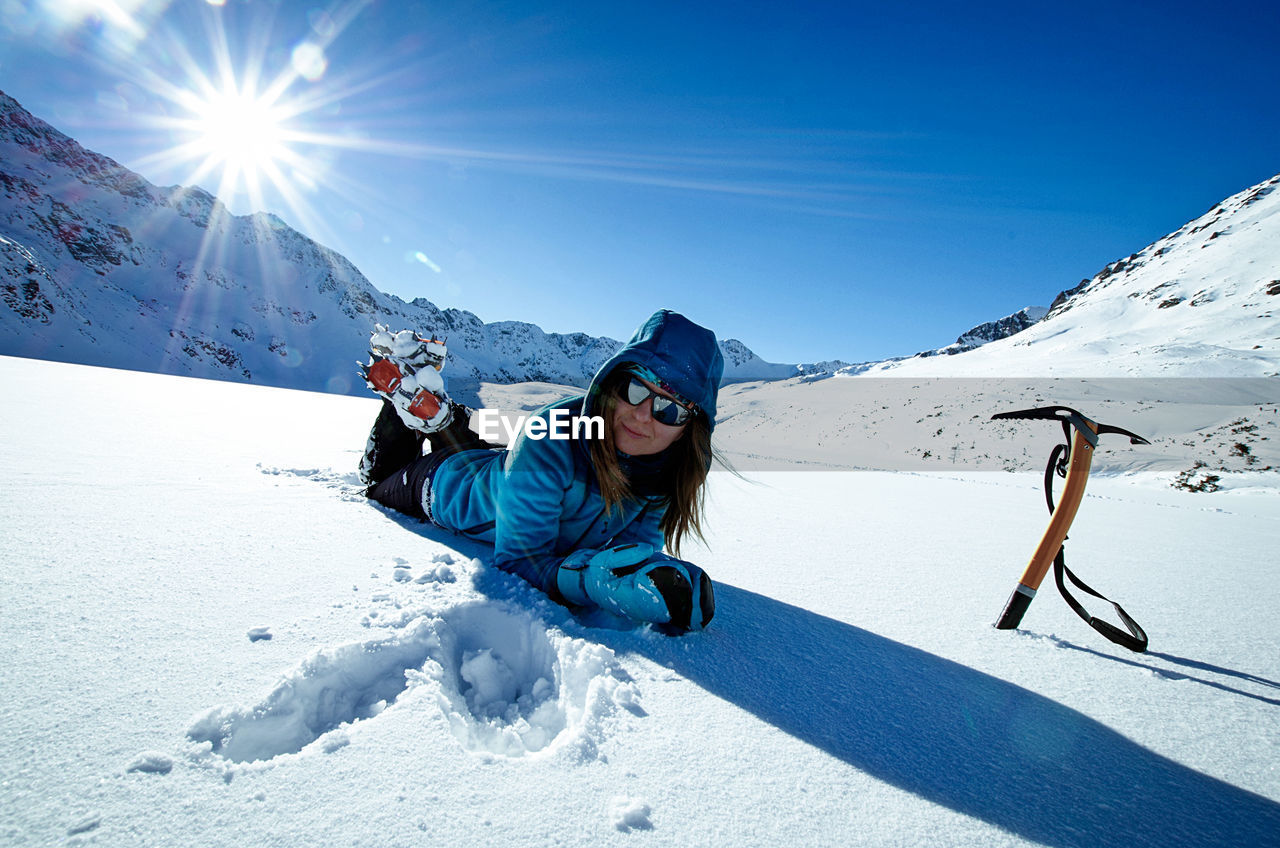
(538, 501)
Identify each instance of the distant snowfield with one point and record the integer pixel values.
(211, 638)
(1232, 425)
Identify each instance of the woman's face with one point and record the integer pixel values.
(635, 431)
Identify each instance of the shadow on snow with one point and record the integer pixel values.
(1178, 675)
(950, 734)
(953, 735)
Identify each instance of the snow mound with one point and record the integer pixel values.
(630, 814)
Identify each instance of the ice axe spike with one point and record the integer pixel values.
(1082, 437)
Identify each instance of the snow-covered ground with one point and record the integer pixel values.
(211, 638)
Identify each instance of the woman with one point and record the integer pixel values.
(584, 519)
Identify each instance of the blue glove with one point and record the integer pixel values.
(638, 583)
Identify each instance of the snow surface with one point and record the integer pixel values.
(851, 689)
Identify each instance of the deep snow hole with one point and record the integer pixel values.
(500, 681)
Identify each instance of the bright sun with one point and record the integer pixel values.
(246, 136)
(241, 135)
(241, 132)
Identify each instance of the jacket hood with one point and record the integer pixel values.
(685, 355)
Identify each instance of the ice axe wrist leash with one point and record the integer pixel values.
(1072, 461)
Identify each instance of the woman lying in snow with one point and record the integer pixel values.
(582, 518)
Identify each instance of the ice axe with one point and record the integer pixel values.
(1070, 460)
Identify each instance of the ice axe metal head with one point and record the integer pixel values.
(1071, 418)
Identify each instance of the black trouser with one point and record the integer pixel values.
(403, 490)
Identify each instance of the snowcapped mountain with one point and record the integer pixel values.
(99, 266)
(992, 331)
(1199, 302)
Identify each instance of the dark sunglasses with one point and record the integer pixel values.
(665, 410)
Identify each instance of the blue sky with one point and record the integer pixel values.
(820, 180)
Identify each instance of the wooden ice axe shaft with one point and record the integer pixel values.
(1056, 533)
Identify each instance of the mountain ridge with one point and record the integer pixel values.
(99, 266)
(1197, 302)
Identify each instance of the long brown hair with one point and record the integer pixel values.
(687, 465)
